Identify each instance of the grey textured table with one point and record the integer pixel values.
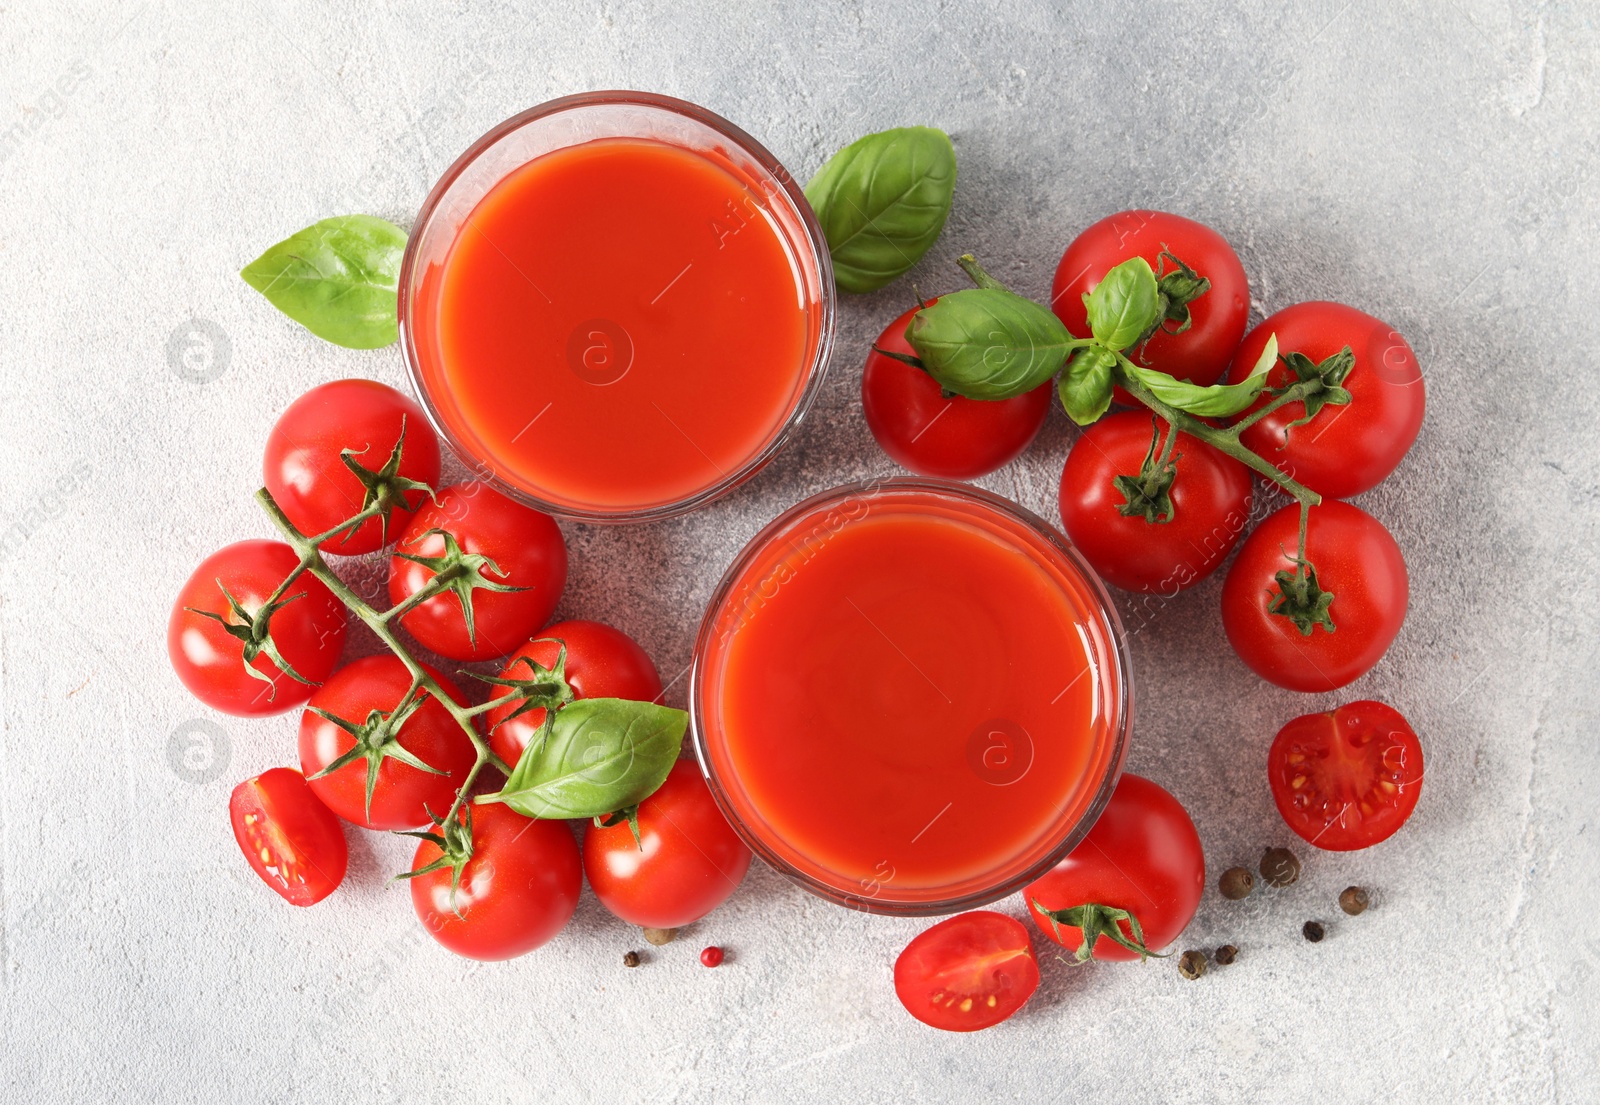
(1434, 166)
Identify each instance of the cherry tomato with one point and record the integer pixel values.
(601, 663)
(1348, 778)
(404, 795)
(1142, 856)
(290, 838)
(956, 438)
(968, 972)
(307, 630)
(1210, 507)
(1350, 448)
(1355, 558)
(519, 888)
(311, 482)
(527, 551)
(685, 863)
(1217, 317)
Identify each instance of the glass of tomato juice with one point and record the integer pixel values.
(617, 305)
(910, 696)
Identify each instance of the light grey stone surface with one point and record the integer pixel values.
(1432, 164)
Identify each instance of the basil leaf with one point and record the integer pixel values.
(882, 201)
(1216, 401)
(337, 278)
(1085, 386)
(601, 754)
(988, 343)
(1124, 305)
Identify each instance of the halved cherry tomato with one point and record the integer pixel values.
(956, 438)
(969, 972)
(602, 662)
(519, 888)
(1348, 778)
(307, 629)
(309, 479)
(290, 838)
(685, 863)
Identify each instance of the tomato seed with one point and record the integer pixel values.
(712, 956)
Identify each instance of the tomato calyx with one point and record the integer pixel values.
(254, 633)
(630, 814)
(458, 572)
(384, 488)
(377, 739)
(1149, 494)
(1177, 289)
(1316, 384)
(545, 688)
(1301, 599)
(453, 837)
(1094, 921)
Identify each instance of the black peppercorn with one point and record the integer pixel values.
(1225, 955)
(630, 959)
(1313, 931)
(1192, 964)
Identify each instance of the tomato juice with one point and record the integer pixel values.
(909, 695)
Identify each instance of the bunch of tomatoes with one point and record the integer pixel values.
(1155, 510)
(260, 626)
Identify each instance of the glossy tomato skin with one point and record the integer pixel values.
(290, 838)
(1210, 498)
(307, 478)
(1217, 319)
(525, 544)
(308, 631)
(517, 891)
(921, 430)
(685, 864)
(1356, 559)
(404, 795)
(1348, 778)
(602, 662)
(1345, 449)
(968, 972)
(1143, 855)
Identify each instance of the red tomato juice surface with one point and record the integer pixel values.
(908, 698)
(618, 325)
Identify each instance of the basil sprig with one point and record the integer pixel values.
(1124, 305)
(598, 756)
(882, 202)
(337, 278)
(989, 343)
(1216, 401)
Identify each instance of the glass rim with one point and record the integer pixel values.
(1120, 727)
(815, 374)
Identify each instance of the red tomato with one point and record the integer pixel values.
(968, 972)
(1348, 778)
(311, 482)
(517, 890)
(686, 862)
(956, 438)
(1210, 501)
(404, 795)
(1350, 448)
(527, 551)
(291, 840)
(601, 663)
(308, 630)
(1217, 317)
(1355, 558)
(1142, 856)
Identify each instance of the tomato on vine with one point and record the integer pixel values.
(290, 838)
(1151, 509)
(502, 567)
(1348, 778)
(377, 754)
(1133, 884)
(1319, 626)
(935, 434)
(344, 447)
(242, 648)
(967, 973)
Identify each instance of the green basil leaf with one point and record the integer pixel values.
(882, 201)
(601, 755)
(1124, 305)
(1216, 401)
(337, 278)
(1085, 387)
(988, 343)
